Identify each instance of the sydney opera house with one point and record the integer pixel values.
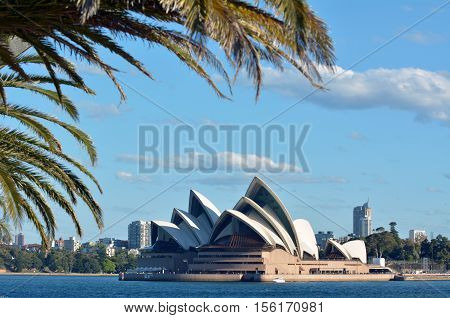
(256, 236)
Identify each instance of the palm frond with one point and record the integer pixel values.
(26, 165)
(5, 229)
(27, 116)
(249, 32)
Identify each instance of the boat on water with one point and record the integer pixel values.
(279, 280)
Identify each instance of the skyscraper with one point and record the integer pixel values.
(362, 220)
(139, 234)
(19, 240)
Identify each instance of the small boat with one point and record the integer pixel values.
(279, 280)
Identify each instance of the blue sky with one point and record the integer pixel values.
(381, 131)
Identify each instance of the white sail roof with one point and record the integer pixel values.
(263, 195)
(270, 221)
(198, 231)
(339, 248)
(306, 237)
(351, 250)
(255, 226)
(183, 238)
(262, 213)
(356, 249)
(203, 209)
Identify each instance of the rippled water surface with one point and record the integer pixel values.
(79, 286)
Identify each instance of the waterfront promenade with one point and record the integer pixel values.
(423, 277)
(254, 277)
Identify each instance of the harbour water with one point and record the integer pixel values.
(105, 287)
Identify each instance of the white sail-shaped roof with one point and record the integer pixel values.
(203, 210)
(339, 248)
(188, 229)
(185, 239)
(267, 228)
(306, 237)
(263, 195)
(356, 249)
(180, 217)
(350, 250)
(259, 219)
(228, 215)
(270, 221)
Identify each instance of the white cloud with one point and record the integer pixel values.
(433, 190)
(221, 161)
(96, 110)
(238, 161)
(129, 177)
(88, 68)
(425, 93)
(354, 135)
(128, 158)
(298, 178)
(424, 38)
(407, 8)
(238, 179)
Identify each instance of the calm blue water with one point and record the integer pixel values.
(63, 286)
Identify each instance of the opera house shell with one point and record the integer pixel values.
(187, 229)
(350, 250)
(258, 235)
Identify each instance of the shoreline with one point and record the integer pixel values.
(254, 277)
(260, 278)
(422, 277)
(287, 278)
(57, 274)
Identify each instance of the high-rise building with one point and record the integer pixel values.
(72, 244)
(139, 234)
(417, 235)
(57, 244)
(120, 244)
(362, 220)
(19, 240)
(323, 237)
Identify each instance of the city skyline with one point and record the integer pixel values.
(144, 232)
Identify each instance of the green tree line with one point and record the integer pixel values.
(60, 261)
(388, 244)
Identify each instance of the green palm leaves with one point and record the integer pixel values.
(5, 231)
(33, 167)
(248, 32)
(35, 174)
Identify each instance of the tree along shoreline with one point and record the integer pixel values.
(58, 274)
(60, 262)
(389, 245)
